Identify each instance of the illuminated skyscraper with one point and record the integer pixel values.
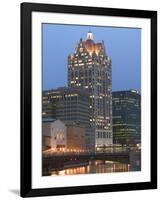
(89, 67)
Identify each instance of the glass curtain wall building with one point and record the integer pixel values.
(127, 117)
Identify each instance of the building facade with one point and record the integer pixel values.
(127, 117)
(54, 134)
(70, 105)
(66, 104)
(76, 137)
(89, 68)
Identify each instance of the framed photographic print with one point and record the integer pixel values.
(88, 99)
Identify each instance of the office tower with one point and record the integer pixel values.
(89, 67)
(127, 117)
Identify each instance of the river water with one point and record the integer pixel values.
(100, 166)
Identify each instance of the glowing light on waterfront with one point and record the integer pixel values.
(128, 167)
(62, 151)
(62, 173)
(98, 166)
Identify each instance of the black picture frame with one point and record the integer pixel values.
(26, 104)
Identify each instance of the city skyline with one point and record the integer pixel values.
(55, 59)
(77, 117)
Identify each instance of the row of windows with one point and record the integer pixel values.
(104, 135)
(73, 105)
(95, 72)
(59, 137)
(57, 130)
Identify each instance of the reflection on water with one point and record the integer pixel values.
(98, 166)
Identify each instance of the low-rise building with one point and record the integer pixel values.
(53, 134)
(76, 139)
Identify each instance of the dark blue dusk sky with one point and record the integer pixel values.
(123, 45)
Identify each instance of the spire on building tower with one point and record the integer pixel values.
(90, 36)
